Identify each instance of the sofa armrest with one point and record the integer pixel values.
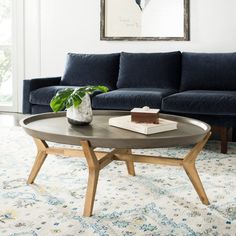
(32, 84)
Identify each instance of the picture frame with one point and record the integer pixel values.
(145, 20)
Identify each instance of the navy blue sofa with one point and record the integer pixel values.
(198, 85)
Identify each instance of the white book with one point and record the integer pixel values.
(125, 122)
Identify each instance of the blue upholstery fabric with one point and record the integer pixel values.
(43, 96)
(216, 120)
(36, 109)
(208, 71)
(128, 98)
(203, 102)
(91, 69)
(32, 84)
(150, 70)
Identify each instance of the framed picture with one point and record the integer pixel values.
(145, 20)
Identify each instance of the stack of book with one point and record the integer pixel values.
(125, 122)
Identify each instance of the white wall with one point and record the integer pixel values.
(169, 11)
(60, 26)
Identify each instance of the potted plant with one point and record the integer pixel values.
(77, 103)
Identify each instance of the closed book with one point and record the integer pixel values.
(125, 122)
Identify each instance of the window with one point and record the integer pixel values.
(6, 75)
(11, 54)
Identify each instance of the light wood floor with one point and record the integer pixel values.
(10, 119)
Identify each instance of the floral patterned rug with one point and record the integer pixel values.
(160, 200)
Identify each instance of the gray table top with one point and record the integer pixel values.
(55, 128)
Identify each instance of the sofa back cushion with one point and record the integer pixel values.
(208, 71)
(149, 70)
(91, 69)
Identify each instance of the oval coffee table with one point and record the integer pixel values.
(54, 127)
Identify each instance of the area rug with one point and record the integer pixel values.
(160, 200)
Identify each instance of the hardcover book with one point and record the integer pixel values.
(125, 122)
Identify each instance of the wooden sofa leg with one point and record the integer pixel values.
(224, 139)
(234, 134)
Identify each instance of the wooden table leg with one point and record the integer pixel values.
(130, 163)
(95, 165)
(94, 168)
(91, 192)
(40, 158)
(190, 169)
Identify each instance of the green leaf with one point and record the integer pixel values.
(73, 97)
(76, 100)
(59, 100)
(57, 105)
(103, 89)
(69, 102)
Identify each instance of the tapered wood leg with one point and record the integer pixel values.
(94, 167)
(197, 184)
(224, 140)
(223, 134)
(130, 164)
(98, 161)
(190, 169)
(40, 158)
(91, 192)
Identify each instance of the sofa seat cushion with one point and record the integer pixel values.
(208, 71)
(149, 70)
(43, 96)
(128, 98)
(203, 102)
(37, 109)
(91, 69)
